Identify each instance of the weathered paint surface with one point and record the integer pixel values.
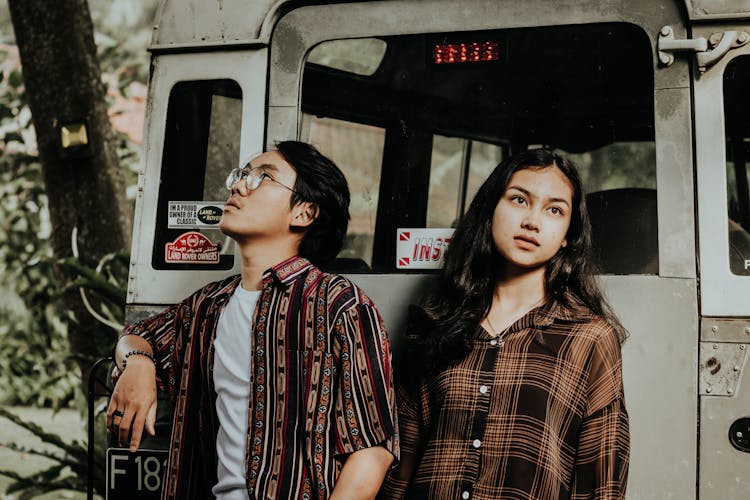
(182, 23)
(185, 23)
(718, 9)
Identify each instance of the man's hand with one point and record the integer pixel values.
(362, 475)
(133, 404)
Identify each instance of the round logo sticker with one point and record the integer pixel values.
(210, 215)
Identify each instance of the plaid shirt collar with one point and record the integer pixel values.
(568, 309)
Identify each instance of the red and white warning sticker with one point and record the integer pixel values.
(422, 248)
(191, 248)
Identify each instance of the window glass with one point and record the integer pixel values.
(361, 56)
(201, 146)
(617, 166)
(357, 149)
(450, 106)
(484, 158)
(449, 155)
(737, 130)
(458, 167)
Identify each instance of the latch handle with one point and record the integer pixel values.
(729, 40)
(668, 44)
(721, 43)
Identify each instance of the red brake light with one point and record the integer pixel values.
(466, 52)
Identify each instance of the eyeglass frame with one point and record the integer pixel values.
(246, 173)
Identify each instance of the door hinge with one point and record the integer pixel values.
(707, 52)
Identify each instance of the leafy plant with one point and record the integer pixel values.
(36, 365)
(69, 469)
(30, 321)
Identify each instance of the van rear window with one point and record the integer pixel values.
(447, 107)
(737, 130)
(201, 146)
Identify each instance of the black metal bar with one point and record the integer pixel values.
(92, 395)
(464, 181)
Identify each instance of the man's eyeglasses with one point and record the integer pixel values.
(253, 177)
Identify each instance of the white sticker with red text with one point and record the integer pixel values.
(422, 248)
(191, 248)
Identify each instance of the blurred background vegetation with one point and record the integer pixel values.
(36, 365)
(34, 361)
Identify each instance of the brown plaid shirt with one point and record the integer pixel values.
(321, 384)
(537, 413)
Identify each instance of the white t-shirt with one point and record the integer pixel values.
(232, 383)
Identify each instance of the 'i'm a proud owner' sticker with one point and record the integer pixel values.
(194, 214)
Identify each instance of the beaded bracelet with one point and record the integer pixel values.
(136, 352)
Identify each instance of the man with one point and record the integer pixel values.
(280, 376)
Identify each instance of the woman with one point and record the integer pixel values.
(515, 384)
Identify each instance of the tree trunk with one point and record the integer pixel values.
(84, 184)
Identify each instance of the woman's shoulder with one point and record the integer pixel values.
(601, 341)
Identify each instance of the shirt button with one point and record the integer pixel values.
(465, 495)
(477, 443)
(483, 389)
(492, 342)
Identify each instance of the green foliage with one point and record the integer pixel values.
(69, 468)
(31, 325)
(36, 366)
(123, 31)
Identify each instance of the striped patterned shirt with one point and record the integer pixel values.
(536, 413)
(321, 383)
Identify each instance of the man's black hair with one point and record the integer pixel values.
(320, 182)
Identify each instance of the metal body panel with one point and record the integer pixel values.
(723, 468)
(722, 293)
(301, 29)
(146, 285)
(196, 23)
(720, 367)
(725, 388)
(674, 180)
(725, 330)
(700, 10)
(659, 370)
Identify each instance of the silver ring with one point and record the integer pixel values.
(117, 413)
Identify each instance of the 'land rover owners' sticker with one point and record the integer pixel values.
(194, 214)
(422, 248)
(191, 248)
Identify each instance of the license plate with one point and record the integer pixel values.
(135, 475)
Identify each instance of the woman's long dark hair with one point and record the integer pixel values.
(440, 332)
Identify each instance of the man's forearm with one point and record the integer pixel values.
(362, 474)
(129, 343)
